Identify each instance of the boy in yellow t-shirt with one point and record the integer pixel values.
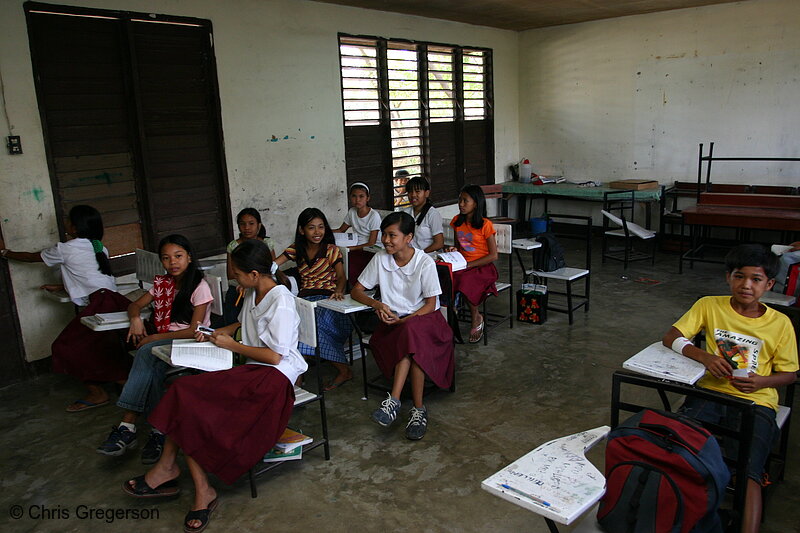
(751, 350)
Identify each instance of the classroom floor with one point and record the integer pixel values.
(530, 385)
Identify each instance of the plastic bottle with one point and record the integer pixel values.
(525, 171)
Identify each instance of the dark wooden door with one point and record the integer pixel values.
(12, 358)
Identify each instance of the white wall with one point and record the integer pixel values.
(633, 97)
(278, 77)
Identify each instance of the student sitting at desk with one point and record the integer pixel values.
(475, 240)
(428, 234)
(226, 421)
(412, 337)
(93, 357)
(181, 300)
(365, 222)
(751, 350)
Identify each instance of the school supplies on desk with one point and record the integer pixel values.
(201, 355)
(455, 259)
(112, 318)
(661, 362)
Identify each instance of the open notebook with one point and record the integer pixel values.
(659, 361)
(201, 355)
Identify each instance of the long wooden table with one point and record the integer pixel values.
(741, 211)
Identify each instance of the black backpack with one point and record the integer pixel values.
(551, 255)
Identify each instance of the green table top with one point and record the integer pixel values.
(571, 190)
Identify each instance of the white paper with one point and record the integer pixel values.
(201, 355)
(455, 259)
(112, 318)
(661, 362)
(345, 239)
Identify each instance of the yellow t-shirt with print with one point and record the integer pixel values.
(762, 345)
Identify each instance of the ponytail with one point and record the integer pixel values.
(253, 255)
(89, 225)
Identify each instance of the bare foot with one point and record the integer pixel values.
(202, 500)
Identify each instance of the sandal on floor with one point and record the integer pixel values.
(83, 405)
(476, 329)
(334, 385)
(141, 489)
(203, 515)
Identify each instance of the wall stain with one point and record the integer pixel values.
(37, 193)
(105, 176)
(274, 139)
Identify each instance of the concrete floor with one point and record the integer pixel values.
(530, 385)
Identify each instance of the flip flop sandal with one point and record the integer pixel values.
(203, 515)
(476, 329)
(333, 385)
(85, 406)
(141, 489)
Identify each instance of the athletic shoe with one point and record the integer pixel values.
(120, 439)
(387, 412)
(151, 452)
(417, 423)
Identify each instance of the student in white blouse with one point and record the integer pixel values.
(428, 234)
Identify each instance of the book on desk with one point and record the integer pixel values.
(658, 361)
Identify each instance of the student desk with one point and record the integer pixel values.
(94, 324)
(572, 191)
(555, 480)
(348, 306)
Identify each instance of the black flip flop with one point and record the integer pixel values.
(141, 489)
(203, 515)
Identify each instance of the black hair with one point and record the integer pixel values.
(182, 308)
(418, 183)
(752, 255)
(255, 255)
(89, 225)
(262, 232)
(476, 193)
(404, 221)
(300, 242)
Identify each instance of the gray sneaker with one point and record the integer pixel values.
(417, 423)
(387, 412)
(120, 439)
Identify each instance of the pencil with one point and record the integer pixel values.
(238, 299)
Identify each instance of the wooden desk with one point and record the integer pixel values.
(555, 480)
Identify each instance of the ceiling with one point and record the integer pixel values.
(523, 14)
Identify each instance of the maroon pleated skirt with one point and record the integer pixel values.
(357, 261)
(93, 355)
(226, 420)
(476, 283)
(428, 339)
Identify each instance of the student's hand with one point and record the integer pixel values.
(223, 340)
(199, 336)
(136, 332)
(337, 296)
(148, 339)
(795, 246)
(385, 314)
(52, 288)
(450, 249)
(717, 366)
(749, 384)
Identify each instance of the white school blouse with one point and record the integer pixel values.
(403, 288)
(363, 226)
(79, 269)
(273, 323)
(430, 227)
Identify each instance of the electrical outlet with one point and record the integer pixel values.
(14, 144)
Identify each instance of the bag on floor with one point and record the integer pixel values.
(664, 474)
(532, 304)
(551, 255)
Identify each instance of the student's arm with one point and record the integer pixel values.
(428, 307)
(373, 238)
(491, 257)
(341, 282)
(229, 330)
(281, 259)
(136, 331)
(436, 245)
(716, 366)
(229, 267)
(341, 229)
(25, 257)
(756, 382)
(384, 312)
(222, 338)
(53, 288)
(198, 314)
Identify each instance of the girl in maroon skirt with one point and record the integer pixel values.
(94, 357)
(226, 421)
(412, 338)
(474, 238)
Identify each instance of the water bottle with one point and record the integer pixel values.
(525, 171)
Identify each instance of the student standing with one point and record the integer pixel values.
(474, 238)
(181, 300)
(319, 262)
(412, 338)
(226, 421)
(93, 357)
(428, 231)
(759, 341)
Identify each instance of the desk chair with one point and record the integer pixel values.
(503, 239)
(569, 275)
(495, 192)
(307, 335)
(618, 209)
(148, 266)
